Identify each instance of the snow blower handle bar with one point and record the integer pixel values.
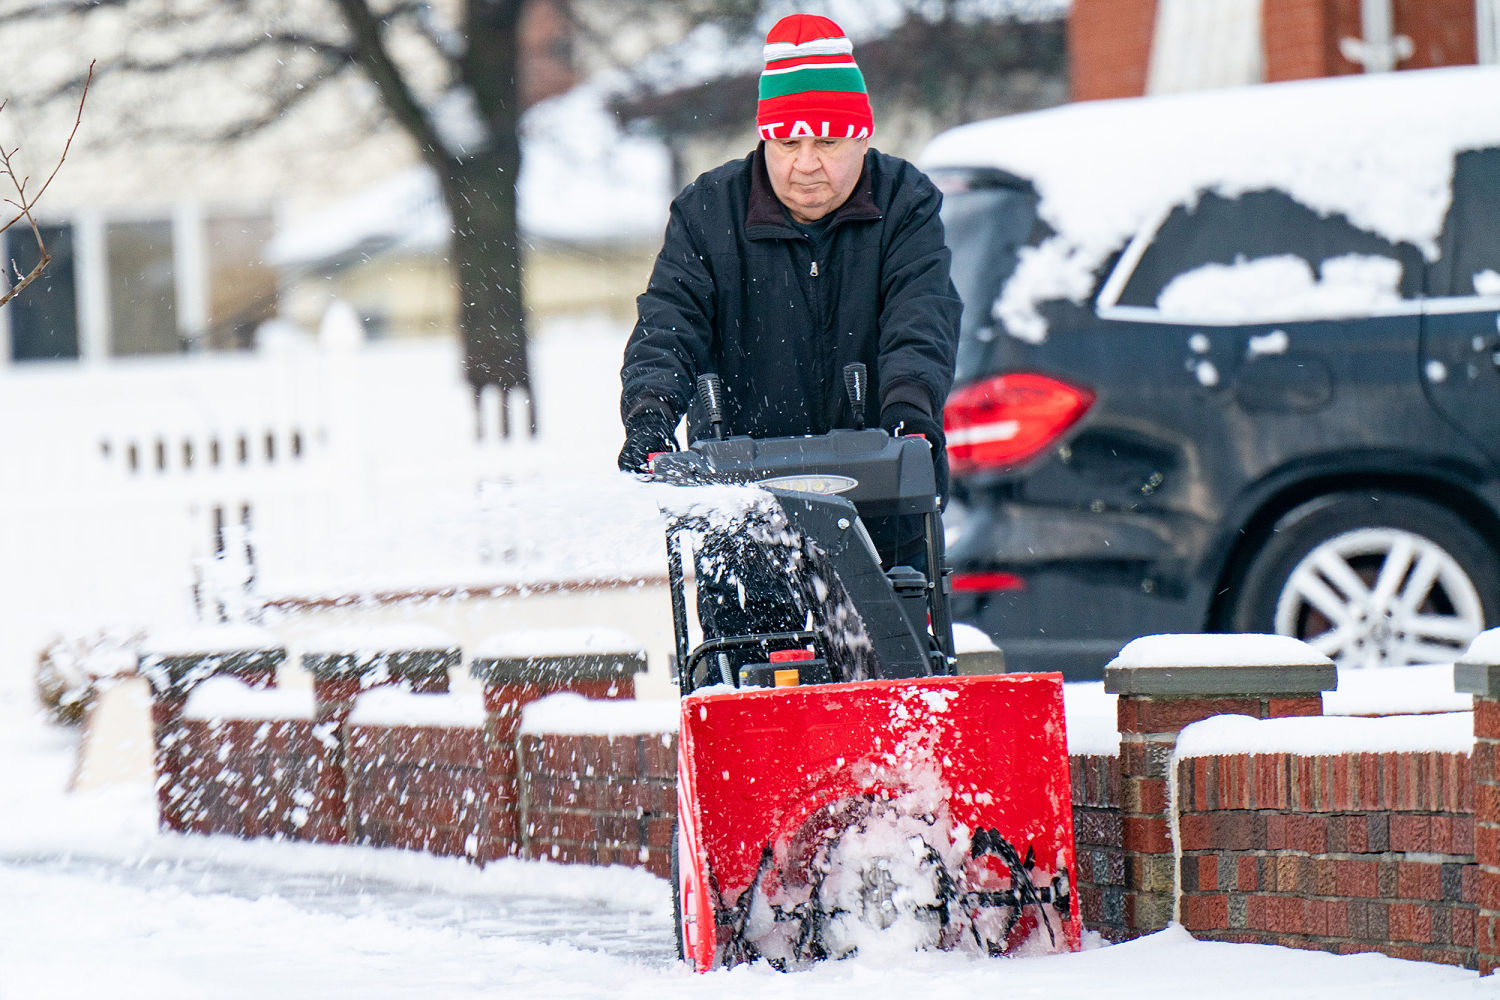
(711, 397)
(881, 475)
(856, 385)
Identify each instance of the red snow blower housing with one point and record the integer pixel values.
(839, 787)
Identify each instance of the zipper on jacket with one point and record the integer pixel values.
(814, 271)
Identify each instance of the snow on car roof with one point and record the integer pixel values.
(1378, 148)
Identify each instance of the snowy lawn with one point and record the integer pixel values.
(97, 904)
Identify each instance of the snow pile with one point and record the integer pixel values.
(1092, 719)
(1378, 148)
(968, 639)
(573, 714)
(528, 644)
(1319, 737)
(369, 641)
(394, 706)
(195, 640)
(225, 698)
(1217, 650)
(1396, 691)
(1484, 648)
(1282, 288)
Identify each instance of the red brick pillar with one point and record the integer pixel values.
(172, 674)
(1166, 683)
(1109, 47)
(1482, 680)
(339, 675)
(511, 682)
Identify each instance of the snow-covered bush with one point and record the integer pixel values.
(70, 670)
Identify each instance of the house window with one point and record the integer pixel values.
(241, 288)
(142, 295)
(127, 287)
(1263, 256)
(43, 318)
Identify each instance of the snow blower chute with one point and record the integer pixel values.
(839, 786)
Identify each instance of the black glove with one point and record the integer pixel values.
(646, 433)
(900, 419)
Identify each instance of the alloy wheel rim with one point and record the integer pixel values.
(1380, 597)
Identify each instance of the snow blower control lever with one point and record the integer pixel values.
(711, 396)
(827, 486)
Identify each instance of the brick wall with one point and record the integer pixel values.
(1097, 835)
(248, 778)
(1389, 852)
(452, 788)
(1362, 852)
(599, 799)
(419, 788)
(1487, 819)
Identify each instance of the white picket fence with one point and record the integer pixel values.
(150, 492)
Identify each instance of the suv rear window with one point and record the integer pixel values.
(1281, 237)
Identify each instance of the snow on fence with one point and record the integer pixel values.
(151, 491)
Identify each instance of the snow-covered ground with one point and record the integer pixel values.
(94, 904)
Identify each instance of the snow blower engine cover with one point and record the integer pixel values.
(820, 820)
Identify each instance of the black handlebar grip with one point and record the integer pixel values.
(711, 398)
(856, 384)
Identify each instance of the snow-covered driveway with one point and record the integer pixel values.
(96, 905)
(214, 919)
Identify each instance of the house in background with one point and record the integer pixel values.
(159, 245)
(1127, 48)
(593, 204)
(925, 73)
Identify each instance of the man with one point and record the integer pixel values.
(780, 269)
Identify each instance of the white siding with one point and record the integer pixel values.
(1205, 44)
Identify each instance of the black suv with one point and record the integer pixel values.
(1273, 405)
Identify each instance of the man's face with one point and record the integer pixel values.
(813, 176)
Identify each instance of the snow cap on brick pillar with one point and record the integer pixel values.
(811, 85)
(1165, 683)
(517, 668)
(1477, 672)
(1184, 678)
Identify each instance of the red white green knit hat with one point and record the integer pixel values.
(811, 84)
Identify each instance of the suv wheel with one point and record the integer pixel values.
(1371, 580)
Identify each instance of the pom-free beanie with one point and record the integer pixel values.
(811, 85)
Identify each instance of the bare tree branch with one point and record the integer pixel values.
(215, 53)
(24, 204)
(51, 8)
(395, 91)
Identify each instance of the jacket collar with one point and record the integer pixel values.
(766, 218)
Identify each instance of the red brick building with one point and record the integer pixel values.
(1126, 48)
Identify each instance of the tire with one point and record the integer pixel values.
(1371, 580)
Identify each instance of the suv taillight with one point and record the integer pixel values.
(1003, 421)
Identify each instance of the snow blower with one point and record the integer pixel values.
(840, 788)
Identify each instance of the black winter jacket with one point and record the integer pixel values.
(735, 290)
